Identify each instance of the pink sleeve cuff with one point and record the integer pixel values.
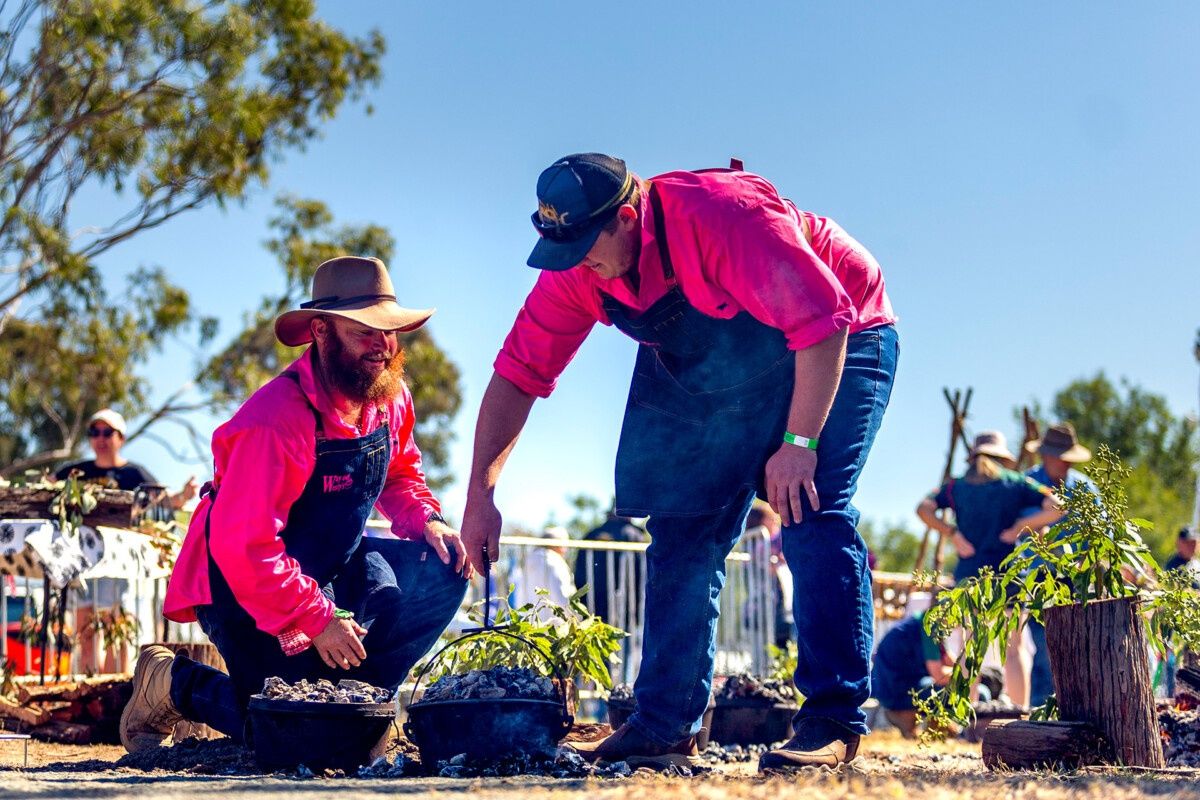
(294, 641)
(819, 331)
(522, 377)
(312, 624)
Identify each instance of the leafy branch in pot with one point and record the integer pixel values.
(577, 643)
(1094, 553)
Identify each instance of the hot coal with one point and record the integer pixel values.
(745, 686)
(323, 691)
(492, 684)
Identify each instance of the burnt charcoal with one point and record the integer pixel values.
(492, 684)
(621, 693)
(716, 754)
(745, 686)
(323, 691)
(1181, 736)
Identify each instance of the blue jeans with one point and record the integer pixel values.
(398, 590)
(1041, 684)
(831, 600)
(832, 604)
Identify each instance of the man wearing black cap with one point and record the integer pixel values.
(767, 357)
(1184, 556)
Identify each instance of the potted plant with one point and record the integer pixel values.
(1092, 582)
(510, 687)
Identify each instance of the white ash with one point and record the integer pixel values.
(492, 684)
(323, 691)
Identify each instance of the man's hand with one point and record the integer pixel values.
(340, 644)
(789, 472)
(448, 545)
(1010, 535)
(961, 546)
(481, 526)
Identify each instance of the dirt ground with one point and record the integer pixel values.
(889, 768)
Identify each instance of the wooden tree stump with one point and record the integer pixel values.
(1098, 657)
(1020, 744)
(205, 654)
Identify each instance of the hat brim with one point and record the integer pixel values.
(995, 452)
(1076, 454)
(293, 329)
(558, 256)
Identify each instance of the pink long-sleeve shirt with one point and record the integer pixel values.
(263, 457)
(736, 245)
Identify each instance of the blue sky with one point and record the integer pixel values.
(1025, 173)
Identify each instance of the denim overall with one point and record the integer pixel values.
(707, 407)
(398, 590)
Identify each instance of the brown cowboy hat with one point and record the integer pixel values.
(992, 443)
(355, 288)
(1060, 442)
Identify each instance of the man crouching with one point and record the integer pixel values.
(275, 566)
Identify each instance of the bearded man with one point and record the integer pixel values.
(275, 566)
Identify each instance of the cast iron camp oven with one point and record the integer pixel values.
(287, 733)
(487, 728)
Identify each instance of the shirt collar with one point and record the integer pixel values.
(316, 393)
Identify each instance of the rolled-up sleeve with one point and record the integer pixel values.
(758, 254)
(269, 474)
(550, 328)
(406, 499)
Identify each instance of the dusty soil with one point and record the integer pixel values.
(888, 767)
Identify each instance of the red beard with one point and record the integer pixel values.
(354, 377)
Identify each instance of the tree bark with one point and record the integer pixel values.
(1020, 744)
(205, 654)
(1098, 657)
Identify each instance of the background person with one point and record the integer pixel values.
(106, 435)
(987, 502)
(1059, 452)
(544, 568)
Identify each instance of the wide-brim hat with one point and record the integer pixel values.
(1060, 442)
(992, 443)
(355, 288)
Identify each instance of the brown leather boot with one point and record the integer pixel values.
(149, 716)
(818, 743)
(628, 744)
(904, 721)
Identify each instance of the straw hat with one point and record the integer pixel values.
(992, 443)
(1060, 442)
(355, 288)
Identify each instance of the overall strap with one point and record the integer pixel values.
(660, 231)
(291, 374)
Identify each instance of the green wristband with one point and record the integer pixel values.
(800, 441)
(342, 613)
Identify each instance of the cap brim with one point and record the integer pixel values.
(558, 256)
(292, 328)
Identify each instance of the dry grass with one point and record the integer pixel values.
(889, 768)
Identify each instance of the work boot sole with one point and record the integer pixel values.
(660, 763)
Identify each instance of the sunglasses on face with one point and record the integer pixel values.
(101, 433)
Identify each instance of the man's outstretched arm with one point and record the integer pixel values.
(502, 415)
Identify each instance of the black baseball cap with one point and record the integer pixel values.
(577, 196)
(1187, 534)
